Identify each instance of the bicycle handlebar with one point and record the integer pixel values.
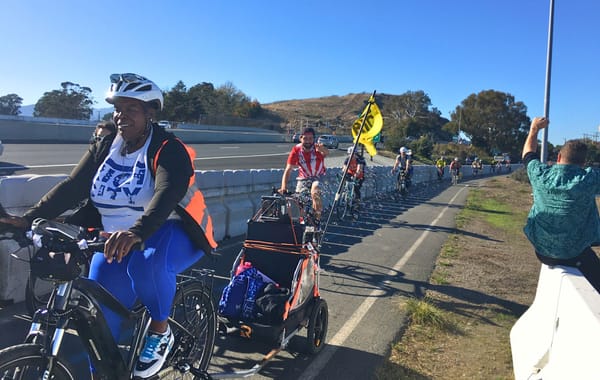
(61, 237)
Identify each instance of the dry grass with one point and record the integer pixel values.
(489, 275)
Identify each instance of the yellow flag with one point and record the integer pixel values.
(372, 127)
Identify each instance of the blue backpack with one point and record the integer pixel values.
(238, 300)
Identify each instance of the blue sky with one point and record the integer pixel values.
(281, 50)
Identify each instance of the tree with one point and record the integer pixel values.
(229, 99)
(411, 115)
(190, 105)
(72, 102)
(423, 147)
(175, 107)
(201, 100)
(593, 154)
(10, 104)
(493, 120)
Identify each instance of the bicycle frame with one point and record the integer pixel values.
(346, 201)
(77, 302)
(401, 183)
(88, 320)
(455, 175)
(350, 188)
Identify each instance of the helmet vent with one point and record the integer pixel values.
(130, 86)
(145, 88)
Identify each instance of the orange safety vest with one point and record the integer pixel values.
(193, 200)
(353, 167)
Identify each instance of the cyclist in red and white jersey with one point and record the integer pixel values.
(455, 166)
(309, 158)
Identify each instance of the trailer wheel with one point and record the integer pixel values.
(317, 327)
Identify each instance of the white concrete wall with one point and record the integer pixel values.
(232, 197)
(558, 337)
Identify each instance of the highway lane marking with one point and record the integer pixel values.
(197, 159)
(244, 156)
(21, 167)
(351, 324)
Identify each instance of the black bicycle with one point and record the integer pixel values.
(347, 204)
(74, 303)
(37, 291)
(401, 190)
(455, 176)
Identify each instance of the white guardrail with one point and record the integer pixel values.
(557, 338)
(231, 196)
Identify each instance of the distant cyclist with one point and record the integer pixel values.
(310, 160)
(493, 166)
(455, 167)
(475, 167)
(441, 167)
(403, 163)
(356, 169)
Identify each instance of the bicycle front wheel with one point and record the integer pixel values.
(25, 362)
(194, 323)
(342, 206)
(403, 190)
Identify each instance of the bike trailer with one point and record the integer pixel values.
(274, 288)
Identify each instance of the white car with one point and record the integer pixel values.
(329, 141)
(165, 124)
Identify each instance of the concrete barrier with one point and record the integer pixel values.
(232, 197)
(557, 337)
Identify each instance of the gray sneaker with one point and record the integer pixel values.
(154, 354)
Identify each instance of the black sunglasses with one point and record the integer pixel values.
(127, 78)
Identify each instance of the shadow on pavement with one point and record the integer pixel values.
(6, 168)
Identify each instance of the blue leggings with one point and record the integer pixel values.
(148, 275)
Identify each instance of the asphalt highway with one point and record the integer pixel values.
(61, 158)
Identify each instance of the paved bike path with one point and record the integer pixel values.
(368, 267)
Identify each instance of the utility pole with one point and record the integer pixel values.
(544, 152)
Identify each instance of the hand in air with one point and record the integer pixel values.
(539, 123)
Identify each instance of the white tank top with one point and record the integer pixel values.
(123, 186)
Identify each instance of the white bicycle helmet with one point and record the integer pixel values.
(403, 150)
(134, 86)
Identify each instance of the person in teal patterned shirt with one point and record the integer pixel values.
(563, 222)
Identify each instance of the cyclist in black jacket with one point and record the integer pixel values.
(139, 186)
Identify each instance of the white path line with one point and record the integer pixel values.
(340, 337)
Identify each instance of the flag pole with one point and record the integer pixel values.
(342, 181)
(544, 152)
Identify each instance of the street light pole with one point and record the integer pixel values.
(544, 152)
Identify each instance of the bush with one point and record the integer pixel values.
(520, 175)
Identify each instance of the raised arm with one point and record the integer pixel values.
(531, 143)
